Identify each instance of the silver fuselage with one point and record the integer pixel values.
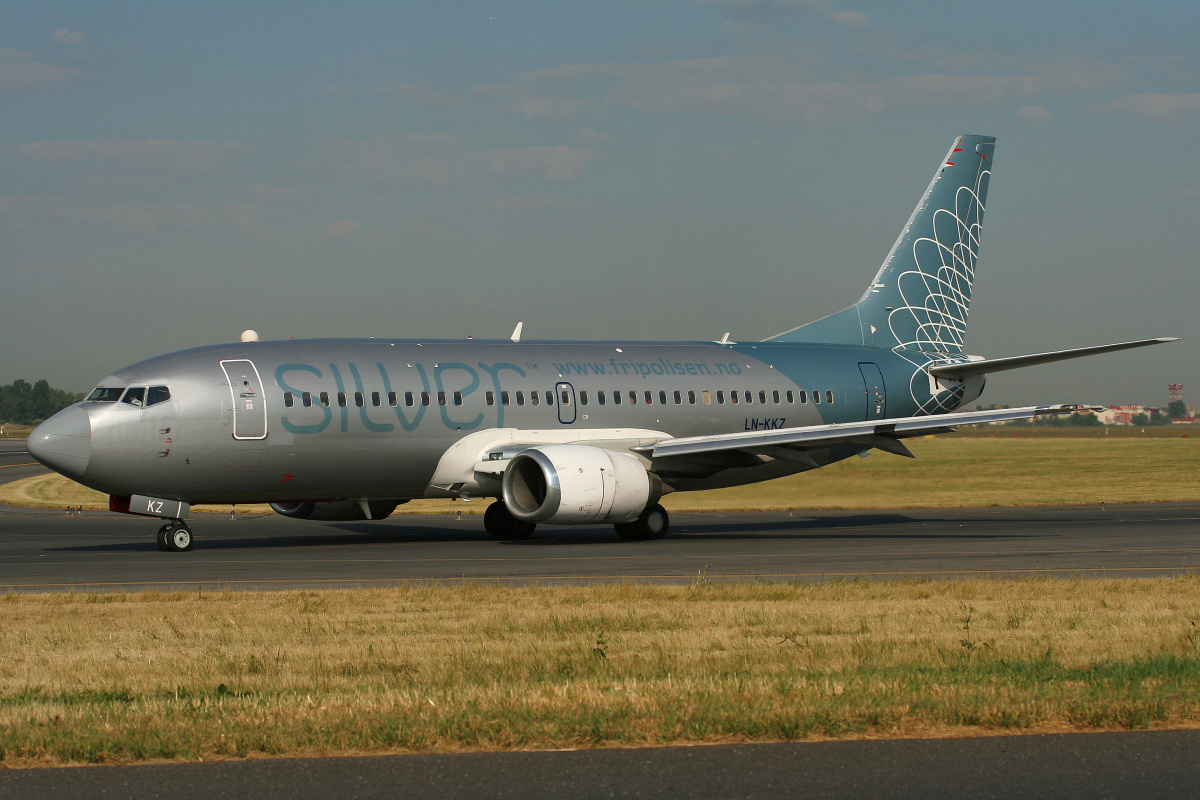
(237, 428)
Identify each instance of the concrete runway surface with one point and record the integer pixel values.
(44, 550)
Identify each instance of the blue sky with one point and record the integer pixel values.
(173, 173)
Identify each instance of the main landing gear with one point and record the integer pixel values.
(652, 524)
(175, 536)
(502, 525)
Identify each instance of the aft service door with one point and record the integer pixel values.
(249, 404)
(565, 396)
(875, 394)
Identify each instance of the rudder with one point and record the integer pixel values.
(920, 297)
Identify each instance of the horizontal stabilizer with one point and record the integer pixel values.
(867, 432)
(968, 369)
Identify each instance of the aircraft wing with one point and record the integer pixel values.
(968, 369)
(789, 443)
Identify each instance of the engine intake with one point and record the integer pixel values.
(570, 484)
(335, 510)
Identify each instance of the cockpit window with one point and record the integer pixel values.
(103, 394)
(157, 394)
(135, 397)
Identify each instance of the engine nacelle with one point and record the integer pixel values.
(335, 510)
(569, 484)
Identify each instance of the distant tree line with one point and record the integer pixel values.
(24, 404)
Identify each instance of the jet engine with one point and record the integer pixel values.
(570, 484)
(335, 510)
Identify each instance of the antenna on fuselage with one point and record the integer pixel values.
(249, 336)
(725, 339)
(516, 334)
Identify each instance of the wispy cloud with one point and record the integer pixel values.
(777, 90)
(146, 154)
(1151, 106)
(19, 73)
(343, 229)
(523, 203)
(440, 159)
(1034, 115)
(765, 10)
(67, 36)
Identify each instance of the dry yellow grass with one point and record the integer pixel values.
(103, 678)
(948, 472)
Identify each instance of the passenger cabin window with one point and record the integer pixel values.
(504, 399)
(706, 394)
(325, 399)
(105, 395)
(135, 397)
(650, 398)
(762, 397)
(306, 399)
(600, 397)
(410, 399)
(816, 396)
(535, 398)
(458, 398)
(424, 398)
(441, 398)
(490, 396)
(616, 398)
(803, 396)
(678, 397)
(582, 397)
(733, 397)
(520, 398)
(393, 400)
(549, 397)
(720, 397)
(633, 397)
(828, 396)
(341, 399)
(375, 399)
(790, 397)
(359, 399)
(749, 396)
(157, 394)
(566, 397)
(288, 400)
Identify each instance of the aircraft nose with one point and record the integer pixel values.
(64, 442)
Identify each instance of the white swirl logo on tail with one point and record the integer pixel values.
(937, 294)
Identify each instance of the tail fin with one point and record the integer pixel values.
(920, 296)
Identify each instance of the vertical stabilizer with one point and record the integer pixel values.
(920, 297)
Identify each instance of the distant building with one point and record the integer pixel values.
(1120, 415)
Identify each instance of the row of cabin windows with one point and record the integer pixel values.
(307, 399)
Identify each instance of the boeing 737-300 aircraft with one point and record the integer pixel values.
(561, 432)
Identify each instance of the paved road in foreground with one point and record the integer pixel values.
(15, 461)
(1130, 766)
(44, 550)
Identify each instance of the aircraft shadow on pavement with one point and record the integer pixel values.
(856, 526)
(355, 536)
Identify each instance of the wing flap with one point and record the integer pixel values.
(883, 435)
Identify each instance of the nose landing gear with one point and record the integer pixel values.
(175, 537)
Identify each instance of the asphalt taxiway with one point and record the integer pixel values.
(1129, 766)
(45, 550)
(15, 461)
